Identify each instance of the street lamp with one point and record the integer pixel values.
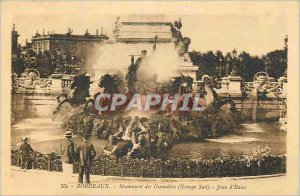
(234, 56)
(267, 62)
(227, 59)
(220, 66)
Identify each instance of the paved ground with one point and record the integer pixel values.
(29, 182)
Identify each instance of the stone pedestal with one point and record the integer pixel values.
(234, 87)
(224, 90)
(187, 68)
(231, 85)
(56, 83)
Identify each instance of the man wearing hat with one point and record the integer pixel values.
(68, 156)
(86, 153)
(25, 151)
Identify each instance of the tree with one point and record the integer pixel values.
(278, 63)
(44, 64)
(208, 63)
(217, 65)
(18, 65)
(248, 66)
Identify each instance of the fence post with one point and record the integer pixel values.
(283, 164)
(33, 160)
(104, 165)
(160, 169)
(18, 157)
(49, 164)
(142, 168)
(181, 169)
(122, 170)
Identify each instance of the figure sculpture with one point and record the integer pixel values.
(81, 86)
(262, 87)
(30, 80)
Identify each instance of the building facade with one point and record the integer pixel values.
(67, 44)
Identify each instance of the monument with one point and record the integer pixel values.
(135, 33)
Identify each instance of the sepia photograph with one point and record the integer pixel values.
(149, 98)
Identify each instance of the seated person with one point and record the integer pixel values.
(120, 147)
(164, 145)
(140, 149)
(121, 131)
(127, 134)
(153, 147)
(131, 132)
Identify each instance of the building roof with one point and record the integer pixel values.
(67, 36)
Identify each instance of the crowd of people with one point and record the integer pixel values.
(133, 139)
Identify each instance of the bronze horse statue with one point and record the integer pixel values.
(210, 95)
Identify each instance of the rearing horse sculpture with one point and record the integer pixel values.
(210, 95)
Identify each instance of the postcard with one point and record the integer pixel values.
(149, 98)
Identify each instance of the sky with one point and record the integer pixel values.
(256, 33)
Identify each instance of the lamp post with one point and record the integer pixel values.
(227, 59)
(234, 55)
(234, 80)
(219, 66)
(267, 62)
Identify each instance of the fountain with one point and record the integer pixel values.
(156, 129)
(146, 62)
